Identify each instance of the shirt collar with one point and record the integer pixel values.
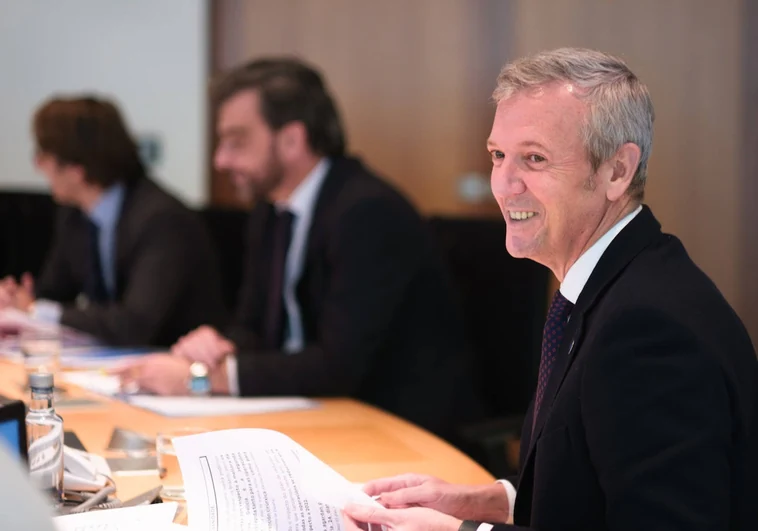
(580, 271)
(107, 209)
(303, 198)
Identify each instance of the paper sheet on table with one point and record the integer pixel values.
(95, 381)
(11, 318)
(100, 357)
(14, 324)
(176, 406)
(157, 516)
(260, 479)
(110, 385)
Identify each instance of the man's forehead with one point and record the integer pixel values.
(551, 111)
(239, 109)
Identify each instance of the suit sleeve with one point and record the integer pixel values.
(158, 273)
(373, 255)
(56, 281)
(658, 425)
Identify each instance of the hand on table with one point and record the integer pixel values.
(203, 344)
(412, 519)
(15, 295)
(159, 373)
(167, 375)
(482, 503)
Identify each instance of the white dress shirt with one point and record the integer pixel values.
(571, 287)
(301, 203)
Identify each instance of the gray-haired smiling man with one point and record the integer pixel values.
(646, 410)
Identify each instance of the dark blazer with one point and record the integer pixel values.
(167, 280)
(650, 417)
(379, 319)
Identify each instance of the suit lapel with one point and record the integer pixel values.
(124, 243)
(339, 170)
(640, 233)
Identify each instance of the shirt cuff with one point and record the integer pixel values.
(231, 374)
(510, 492)
(46, 311)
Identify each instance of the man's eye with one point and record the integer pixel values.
(535, 158)
(497, 155)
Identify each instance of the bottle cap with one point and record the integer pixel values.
(40, 380)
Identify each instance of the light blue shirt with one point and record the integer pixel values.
(105, 215)
(301, 204)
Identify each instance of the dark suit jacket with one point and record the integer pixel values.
(378, 315)
(167, 279)
(650, 417)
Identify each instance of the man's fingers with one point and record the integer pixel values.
(351, 525)
(180, 348)
(204, 345)
(27, 281)
(379, 486)
(371, 515)
(124, 370)
(207, 348)
(421, 495)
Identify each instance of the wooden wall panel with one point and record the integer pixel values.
(748, 240)
(688, 52)
(413, 79)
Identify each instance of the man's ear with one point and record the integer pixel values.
(623, 165)
(75, 173)
(293, 140)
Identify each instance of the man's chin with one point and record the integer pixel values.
(63, 200)
(519, 248)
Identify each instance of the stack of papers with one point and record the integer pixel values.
(17, 327)
(179, 406)
(159, 517)
(98, 357)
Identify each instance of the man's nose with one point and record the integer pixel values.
(506, 180)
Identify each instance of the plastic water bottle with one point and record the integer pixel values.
(44, 430)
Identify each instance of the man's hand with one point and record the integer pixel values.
(25, 293)
(486, 503)
(413, 519)
(205, 345)
(8, 289)
(164, 374)
(161, 374)
(14, 295)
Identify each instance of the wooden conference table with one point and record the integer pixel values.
(358, 441)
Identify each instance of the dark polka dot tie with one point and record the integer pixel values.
(552, 335)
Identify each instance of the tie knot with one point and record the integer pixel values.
(560, 308)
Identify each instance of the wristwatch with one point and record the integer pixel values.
(469, 525)
(199, 383)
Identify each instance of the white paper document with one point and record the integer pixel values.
(249, 479)
(177, 406)
(94, 381)
(158, 516)
(16, 319)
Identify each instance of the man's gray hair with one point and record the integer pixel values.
(620, 107)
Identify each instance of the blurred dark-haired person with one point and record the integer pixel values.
(344, 294)
(130, 264)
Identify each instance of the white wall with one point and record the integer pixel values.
(150, 56)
